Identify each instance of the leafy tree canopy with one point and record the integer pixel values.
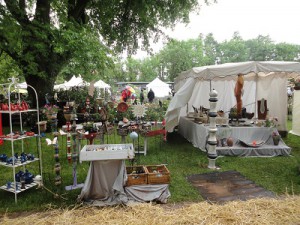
(46, 37)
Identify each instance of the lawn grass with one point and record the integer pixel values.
(277, 174)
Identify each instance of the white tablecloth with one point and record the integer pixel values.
(197, 135)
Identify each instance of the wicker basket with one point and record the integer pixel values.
(136, 175)
(158, 174)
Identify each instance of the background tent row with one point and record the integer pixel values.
(266, 80)
(79, 82)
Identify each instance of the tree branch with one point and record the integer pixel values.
(42, 11)
(4, 46)
(18, 13)
(76, 10)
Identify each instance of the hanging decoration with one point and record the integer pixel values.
(139, 110)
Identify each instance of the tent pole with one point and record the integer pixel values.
(255, 103)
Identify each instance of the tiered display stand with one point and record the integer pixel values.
(19, 108)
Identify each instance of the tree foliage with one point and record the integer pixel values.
(46, 37)
(178, 56)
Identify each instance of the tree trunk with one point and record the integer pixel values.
(39, 63)
(42, 86)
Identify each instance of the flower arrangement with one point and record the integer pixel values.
(272, 122)
(50, 109)
(275, 133)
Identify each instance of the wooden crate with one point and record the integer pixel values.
(136, 175)
(158, 174)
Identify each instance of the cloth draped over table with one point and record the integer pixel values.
(105, 181)
(197, 135)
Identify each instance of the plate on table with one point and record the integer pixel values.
(253, 144)
(199, 122)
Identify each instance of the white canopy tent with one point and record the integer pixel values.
(58, 87)
(160, 88)
(101, 84)
(73, 82)
(266, 80)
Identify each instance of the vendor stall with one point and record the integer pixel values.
(261, 80)
(248, 139)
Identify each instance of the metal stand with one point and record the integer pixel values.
(74, 158)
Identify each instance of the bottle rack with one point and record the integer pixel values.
(9, 89)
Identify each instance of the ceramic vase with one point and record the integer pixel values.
(230, 141)
(276, 139)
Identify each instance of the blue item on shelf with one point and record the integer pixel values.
(11, 160)
(28, 177)
(23, 159)
(3, 157)
(19, 175)
(30, 156)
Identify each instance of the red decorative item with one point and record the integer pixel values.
(12, 107)
(1, 141)
(29, 133)
(155, 132)
(91, 137)
(122, 107)
(4, 107)
(24, 105)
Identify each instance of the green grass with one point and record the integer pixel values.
(277, 174)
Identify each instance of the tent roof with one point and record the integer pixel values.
(101, 84)
(75, 81)
(186, 81)
(160, 88)
(230, 69)
(156, 83)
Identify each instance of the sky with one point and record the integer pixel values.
(276, 18)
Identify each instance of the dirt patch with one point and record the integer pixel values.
(220, 187)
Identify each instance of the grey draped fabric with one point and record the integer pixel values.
(104, 185)
(197, 134)
(141, 193)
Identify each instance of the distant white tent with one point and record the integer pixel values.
(22, 85)
(73, 82)
(60, 87)
(160, 88)
(76, 82)
(101, 84)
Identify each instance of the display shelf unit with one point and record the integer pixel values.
(13, 89)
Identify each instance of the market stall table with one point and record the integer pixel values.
(197, 133)
(106, 178)
(154, 129)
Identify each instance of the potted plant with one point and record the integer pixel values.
(50, 111)
(90, 131)
(276, 137)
